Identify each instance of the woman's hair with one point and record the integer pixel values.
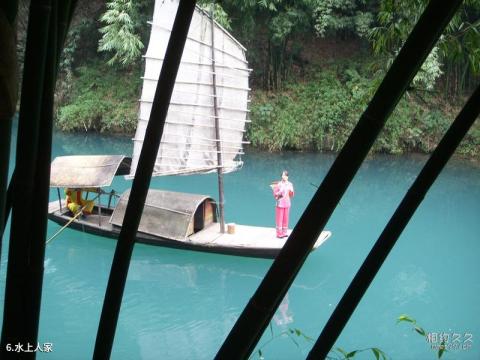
(285, 172)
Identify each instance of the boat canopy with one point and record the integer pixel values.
(84, 171)
(171, 215)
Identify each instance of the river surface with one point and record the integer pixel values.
(182, 304)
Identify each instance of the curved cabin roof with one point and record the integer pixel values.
(83, 171)
(166, 214)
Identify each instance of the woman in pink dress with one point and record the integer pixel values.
(282, 191)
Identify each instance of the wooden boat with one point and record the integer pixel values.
(171, 219)
(203, 133)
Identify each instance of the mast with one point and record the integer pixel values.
(217, 129)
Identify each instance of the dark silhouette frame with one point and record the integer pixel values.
(48, 24)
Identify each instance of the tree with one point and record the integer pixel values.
(344, 17)
(119, 33)
(271, 30)
(219, 13)
(458, 50)
(274, 30)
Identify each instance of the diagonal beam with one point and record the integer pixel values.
(17, 287)
(60, 20)
(35, 250)
(27, 247)
(8, 96)
(66, 9)
(257, 314)
(141, 182)
(395, 226)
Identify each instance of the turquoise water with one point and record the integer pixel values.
(182, 304)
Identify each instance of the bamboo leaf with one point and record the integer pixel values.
(381, 353)
(343, 352)
(384, 356)
(419, 330)
(376, 353)
(308, 338)
(441, 350)
(406, 318)
(294, 341)
(351, 354)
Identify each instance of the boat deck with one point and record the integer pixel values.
(93, 219)
(245, 237)
(54, 206)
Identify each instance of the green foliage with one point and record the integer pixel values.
(316, 104)
(293, 335)
(420, 331)
(314, 115)
(458, 49)
(353, 17)
(341, 354)
(219, 13)
(75, 49)
(469, 146)
(119, 33)
(296, 335)
(320, 114)
(395, 23)
(71, 45)
(429, 72)
(271, 30)
(102, 99)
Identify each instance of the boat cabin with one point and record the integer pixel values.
(170, 215)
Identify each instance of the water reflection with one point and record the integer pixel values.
(284, 315)
(410, 284)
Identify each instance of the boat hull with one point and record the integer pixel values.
(247, 241)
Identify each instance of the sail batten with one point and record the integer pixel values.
(194, 93)
(206, 126)
(205, 151)
(203, 115)
(210, 73)
(189, 144)
(208, 106)
(180, 82)
(201, 42)
(197, 138)
(217, 64)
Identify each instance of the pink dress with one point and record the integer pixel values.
(282, 191)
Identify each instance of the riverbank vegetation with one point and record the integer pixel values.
(100, 98)
(316, 65)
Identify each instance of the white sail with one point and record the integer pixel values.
(189, 143)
